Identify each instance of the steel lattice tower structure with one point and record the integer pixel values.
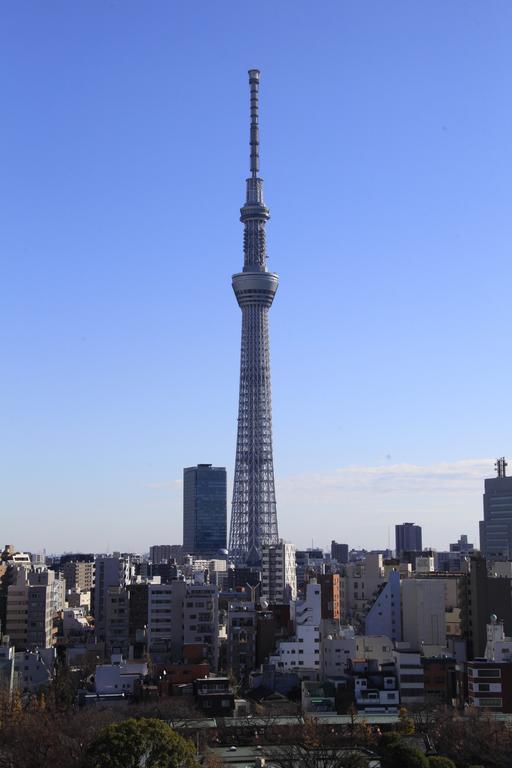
(254, 516)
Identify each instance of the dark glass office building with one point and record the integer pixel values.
(204, 510)
(496, 527)
(407, 538)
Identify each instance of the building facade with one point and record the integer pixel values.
(408, 538)
(278, 572)
(496, 527)
(204, 510)
(339, 552)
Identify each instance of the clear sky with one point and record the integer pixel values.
(386, 153)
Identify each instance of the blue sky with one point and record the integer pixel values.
(387, 162)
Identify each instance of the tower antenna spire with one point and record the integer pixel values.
(254, 84)
(254, 513)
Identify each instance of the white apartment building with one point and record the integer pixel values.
(377, 695)
(498, 647)
(302, 654)
(278, 573)
(120, 676)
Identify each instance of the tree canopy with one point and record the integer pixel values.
(143, 743)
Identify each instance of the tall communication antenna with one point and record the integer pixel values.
(254, 515)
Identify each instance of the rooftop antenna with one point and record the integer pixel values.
(501, 467)
(254, 82)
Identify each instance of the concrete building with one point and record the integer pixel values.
(490, 685)
(375, 687)
(411, 677)
(78, 575)
(75, 626)
(496, 527)
(116, 621)
(183, 619)
(499, 646)
(165, 553)
(278, 574)
(338, 649)
(377, 647)
(120, 676)
(330, 585)
(462, 546)
(302, 653)
(480, 596)
(424, 564)
(423, 613)
(34, 669)
(384, 616)
(309, 563)
(360, 585)
(30, 603)
(242, 625)
(204, 510)
(110, 571)
(407, 538)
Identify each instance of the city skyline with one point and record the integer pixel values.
(386, 152)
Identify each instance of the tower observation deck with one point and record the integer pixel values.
(254, 515)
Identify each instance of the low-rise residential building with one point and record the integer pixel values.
(214, 696)
(440, 678)
(375, 687)
(338, 648)
(34, 669)
(120, 676)
(490, 685)
(411, 678)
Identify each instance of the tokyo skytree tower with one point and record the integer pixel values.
(254, 516)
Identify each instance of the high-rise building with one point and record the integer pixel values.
(496, 527)
(241, 643)
(254, 515)
(339, 552)
(330, 584)
(278, 572)
(165, 553)
(204, 510)
(183, 620)
(29, 609)
(407, 538)
(111, 571)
